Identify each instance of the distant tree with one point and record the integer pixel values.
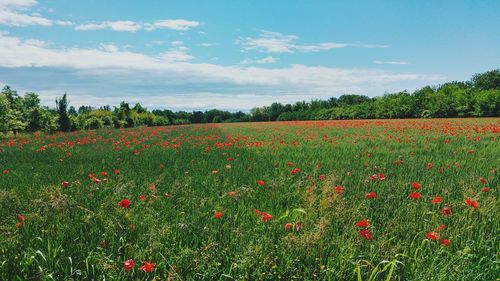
(62, 111)
(487, 80)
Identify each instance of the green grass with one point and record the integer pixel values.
(80, 232)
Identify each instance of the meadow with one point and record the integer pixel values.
(312, 200)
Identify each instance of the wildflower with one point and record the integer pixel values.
(416, 185)
(446, 211)
(6, 172)
(322, 177)
(485, 189)
(471, 203)
(116, 172)
(218, 215)
(436, 200)
(298, 226)
(21, 221)
(339, 189)
(147, 267)
(290, 164)
(142, 197)
(483, 180)
(104, 174)
(152, 187)
(432, 235)
(429, 165)
(229, 159)
(444, 242)
(288, 226)
(265, 217)
(258, 212)
(415, 195)
(441, 227)
(231, 193)
(261, 182)
(371, 195)
(128, 265)
(65, 184)
(295, 171)
(162, 166)
(214, 172)
(125, 203)
(363, 223)
(381, 176)
(366, 234)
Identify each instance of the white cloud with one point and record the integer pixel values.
(390, 62)
(132, 26)
(274, 42)
(208, 44)
(14, 13)
(265, 60)
(88, 71)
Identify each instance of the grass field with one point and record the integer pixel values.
(334, 200)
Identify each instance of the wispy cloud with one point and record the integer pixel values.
(16, 13)
(390, 62)
(265, 60)
(132, 26)
(275, 42)
(122, 74)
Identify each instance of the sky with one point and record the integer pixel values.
(236, 55)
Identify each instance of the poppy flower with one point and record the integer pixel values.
(128, 265)
(290, 164)
(125, 203)
(415, 195)
(339, 189)
(432, 235)
(147, 267)
(366, 234)
(446, 211)
(5, 172)
(65, 184)
(265, 216)
(322, 177)
(218, 215)
(363, 223)
(436, 200)
(214, 172)
(116, 172)
(162, 166)
(471, 203)
(298, 226)
(485, 189)
(261, 182)
(429, 165)
(295, 171)
(288, 226)
(381, 176)
(142, 197)
(229, 159)
(231, 193)
(444, 242)
(416, 185)
(152, 187)
(371, 195)
(258, 212)
(104, 174)
(21, 221)
(483, 180)
(441, 227)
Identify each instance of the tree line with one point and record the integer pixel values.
(478, 97)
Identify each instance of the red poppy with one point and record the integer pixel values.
(21, 221)
(258, 212)
(231, 193)
(483, 180)
(128, 265)
(485, 189)
(432, 235)
(436, 200)
(214, 172)
(298, 226)
(472, 203)
(444, 242)
(116, 171)
(446, 211)
(363, 223)
(229, 159)
(65, 184)
(366, 234)
(441, 227)
(142, 197)
(147, 267)
(429, 165)
(371, 195)
(290, 164)
(415, 195)
(5, 172)
(339, 189)
(295, 171)
(288, 226)
(416, 185)
(381, 176)
(265, 216)
(152, 187)
(125, 203)
(162, 166)
(261, 182)
(321, 177)
(104, 174)
(218, 215)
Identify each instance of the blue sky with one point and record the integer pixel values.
(240, 54)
